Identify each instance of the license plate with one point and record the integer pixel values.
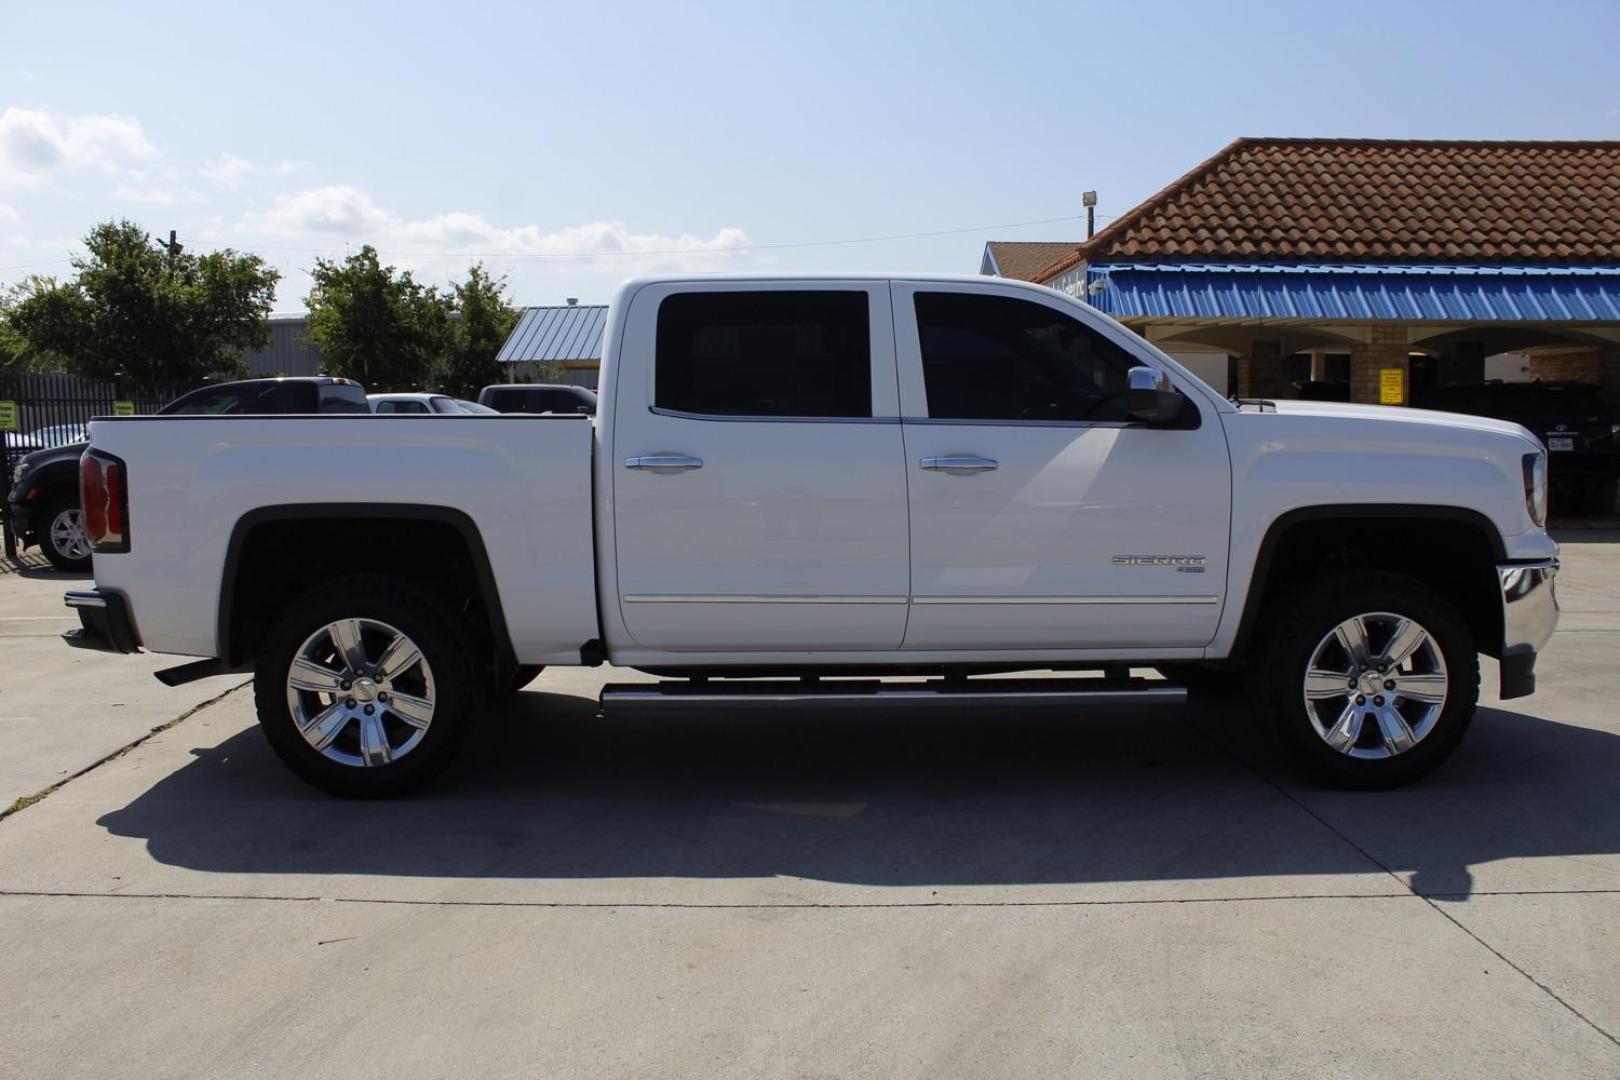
(1556, 443)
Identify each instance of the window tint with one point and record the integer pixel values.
(539, 399)
(764, 354)
(401, 407)
(240, 399)
(343, 398)
(997, 358)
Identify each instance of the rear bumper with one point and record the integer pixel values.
(1529, 617)
(104, 621)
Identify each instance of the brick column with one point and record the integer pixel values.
(1263, 373)
(1386, 349)
(1591, 363)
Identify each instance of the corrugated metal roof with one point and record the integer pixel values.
(1333, 291)
(564, 332)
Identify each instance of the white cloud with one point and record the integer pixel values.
(35, 145)
(227, 170)
(344, 213)
(155, 196)
(8, 213)
(231, 171)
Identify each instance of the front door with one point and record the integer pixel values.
(759, 490)
(1041, 517)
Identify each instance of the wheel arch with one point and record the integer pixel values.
(1292, 546)
(449, 533)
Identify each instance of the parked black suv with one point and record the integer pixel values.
(539, 398)
(1570, 418)
(44, 503)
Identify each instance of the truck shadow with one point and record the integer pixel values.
(548, 790)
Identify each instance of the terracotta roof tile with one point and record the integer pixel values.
(1354, 199)
(1024, 260)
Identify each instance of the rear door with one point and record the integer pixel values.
(759, 483)
(1041, 517)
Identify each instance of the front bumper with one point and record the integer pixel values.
(1529, 616)
(22, 519)
(104, 621)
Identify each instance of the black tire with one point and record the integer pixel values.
(1205, 680)
(57, 506)
(523, 676)
(1284, 655)
(444, 644)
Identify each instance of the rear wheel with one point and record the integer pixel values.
(365, 687)
(1370, 678)
(61, 535)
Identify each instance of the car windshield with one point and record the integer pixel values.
(475, 408)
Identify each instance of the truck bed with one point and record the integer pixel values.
(524, 481)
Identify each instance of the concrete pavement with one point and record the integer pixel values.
(1147, 892)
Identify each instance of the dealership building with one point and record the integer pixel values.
(1364, 268)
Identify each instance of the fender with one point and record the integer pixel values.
(505, 655)
(1280, 526)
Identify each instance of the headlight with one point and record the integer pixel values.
(1535, 487)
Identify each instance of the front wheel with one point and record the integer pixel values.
(1370, 678)
(364, 686)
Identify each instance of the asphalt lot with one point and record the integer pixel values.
(1136, 893)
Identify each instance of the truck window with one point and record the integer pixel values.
(242, 398)
(343, 398)
(401, 407)
(998, 358)
(781, 353)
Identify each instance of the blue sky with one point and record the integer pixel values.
(574, 145)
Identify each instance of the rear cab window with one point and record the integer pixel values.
(343, 398)
(764, 353)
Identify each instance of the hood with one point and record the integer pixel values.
(34, 459)
(1404, 415)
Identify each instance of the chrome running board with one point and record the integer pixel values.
(702, 695)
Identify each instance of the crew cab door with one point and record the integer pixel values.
(1041, 517)
(759, 487)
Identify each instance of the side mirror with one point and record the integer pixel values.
(1149, 397)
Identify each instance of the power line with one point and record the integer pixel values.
(661, 253)
(666, 251)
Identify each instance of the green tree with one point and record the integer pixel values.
(160, 320)
(483, 323)
(376, 324)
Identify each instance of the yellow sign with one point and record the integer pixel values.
(1391, 386)
(8, 416)
(123, 408)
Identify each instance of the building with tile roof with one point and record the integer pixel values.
(1369, 268)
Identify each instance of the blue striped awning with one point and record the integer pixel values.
(1240, 292)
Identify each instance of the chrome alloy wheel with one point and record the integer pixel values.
(1375, 685)
(360, 692)
(67, 535)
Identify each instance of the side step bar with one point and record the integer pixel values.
(680, 695)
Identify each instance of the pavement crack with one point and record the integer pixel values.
(1431, 899)
(25, 801)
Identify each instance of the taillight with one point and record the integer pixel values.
(104, 501)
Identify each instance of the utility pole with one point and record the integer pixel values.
(1089, 201)
(173, 247)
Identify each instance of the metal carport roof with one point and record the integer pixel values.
(563, 332)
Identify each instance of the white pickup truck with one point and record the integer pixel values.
(799, 490)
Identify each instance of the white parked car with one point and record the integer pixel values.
(404, 404)
(798, 479)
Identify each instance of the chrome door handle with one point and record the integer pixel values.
(663, 462)
(959, 463)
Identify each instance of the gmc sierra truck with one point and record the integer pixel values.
(826, 493)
